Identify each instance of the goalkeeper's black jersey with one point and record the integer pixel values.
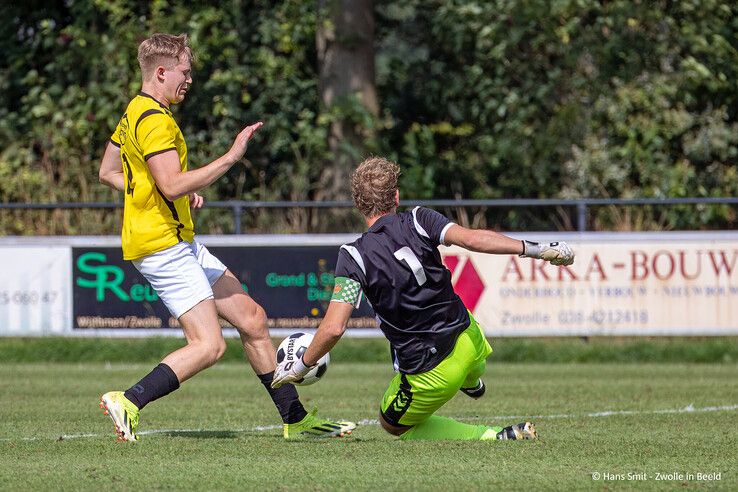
(399, 267)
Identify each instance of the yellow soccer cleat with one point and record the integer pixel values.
(124, 414)
(314, 427)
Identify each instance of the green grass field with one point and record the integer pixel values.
(218, 431)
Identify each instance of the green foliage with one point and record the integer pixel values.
(497, 99)
(68, 83)
(566, 99)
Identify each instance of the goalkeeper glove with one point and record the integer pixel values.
(289, 372)
(558, 253)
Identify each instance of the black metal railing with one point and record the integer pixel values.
(581, 205)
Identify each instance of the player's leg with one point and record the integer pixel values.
(411, 400)
(183, 287)
(240, 310)
(395, 430)
(473, 385)
(249, 319)
(523, 430)
(205, 344)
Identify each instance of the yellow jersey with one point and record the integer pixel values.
(151, 223)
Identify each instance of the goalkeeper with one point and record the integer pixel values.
(437, 346)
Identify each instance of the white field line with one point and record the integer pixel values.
(491, 418)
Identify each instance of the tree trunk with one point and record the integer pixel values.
(345, 45)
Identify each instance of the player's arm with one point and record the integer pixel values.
(329, 332)
(484, 241)
(111, 168)
(166, 170)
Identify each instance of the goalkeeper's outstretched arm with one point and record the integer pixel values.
(483, 241)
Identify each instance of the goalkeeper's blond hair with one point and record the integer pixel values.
(374, 186)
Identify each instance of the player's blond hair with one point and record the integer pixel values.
(374, 186)
(162, 50)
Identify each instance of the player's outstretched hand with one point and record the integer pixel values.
(196, 201)
(289, 372)
(241, 143)
(557, 253)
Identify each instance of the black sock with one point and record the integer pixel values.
(285, 398)
(159, 382)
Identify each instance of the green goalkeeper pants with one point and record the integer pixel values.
(412, 398)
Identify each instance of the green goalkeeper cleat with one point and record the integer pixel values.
(124, 414)
(315, 427)
(519, 432)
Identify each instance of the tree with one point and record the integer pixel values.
(345, 45)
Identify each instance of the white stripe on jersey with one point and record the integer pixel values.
(356, 256)
(443, 232)
(419, 227)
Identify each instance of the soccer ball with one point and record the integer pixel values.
(292, 349)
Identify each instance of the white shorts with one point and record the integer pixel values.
(182, 275)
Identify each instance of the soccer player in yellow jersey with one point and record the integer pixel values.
(147, 159)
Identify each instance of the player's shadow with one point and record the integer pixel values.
(202, 434)
(229, 434)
